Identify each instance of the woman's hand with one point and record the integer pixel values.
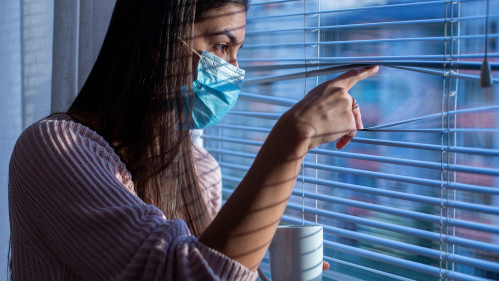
(325, 114)
(325, 266)
(244, 227)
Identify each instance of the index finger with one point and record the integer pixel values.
(349, 78)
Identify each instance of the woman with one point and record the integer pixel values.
(113, 188)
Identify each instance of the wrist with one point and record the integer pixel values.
(293, 136)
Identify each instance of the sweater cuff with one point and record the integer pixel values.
(225, 267)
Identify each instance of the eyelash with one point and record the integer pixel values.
(219, 48)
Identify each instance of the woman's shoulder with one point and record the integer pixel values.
(58, 139)
(61, 136)
(68, 131)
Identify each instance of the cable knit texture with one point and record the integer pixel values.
(74, 214)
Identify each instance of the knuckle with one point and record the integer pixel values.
(344, 93)
(332, 85)
(340, 93)
(345, 101)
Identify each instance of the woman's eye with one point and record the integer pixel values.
(221, 48)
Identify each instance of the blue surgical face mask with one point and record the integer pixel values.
(216, 90)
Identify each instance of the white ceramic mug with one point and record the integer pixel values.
(296, 253)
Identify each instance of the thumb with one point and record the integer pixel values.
(345, 139)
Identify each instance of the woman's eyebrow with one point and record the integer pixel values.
(228, 33)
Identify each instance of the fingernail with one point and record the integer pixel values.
(376, 69)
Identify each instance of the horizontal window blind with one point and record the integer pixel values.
(415, 196)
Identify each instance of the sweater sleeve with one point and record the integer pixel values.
(71, 188)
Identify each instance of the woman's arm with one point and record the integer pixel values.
(246, 224)
(73, 212)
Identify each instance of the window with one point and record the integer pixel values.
(417, 196)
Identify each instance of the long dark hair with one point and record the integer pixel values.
(136, 88)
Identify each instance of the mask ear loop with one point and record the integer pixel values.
(195, 51)
(189, 47)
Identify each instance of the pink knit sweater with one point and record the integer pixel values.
(74, 214)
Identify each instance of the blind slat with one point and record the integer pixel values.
(389, 210)
(267, 99)
(452, 185)
(291, 102)
(383, 159)
(388, 193)
(427, 269)
(265, 115)
(372, 24)
(409, 248)
(398, 228)
(343, 68)
(431, 147)
(276, 116)
(333, 260)
(439, 131)
(479, 151)
(371, 59)
(367, 41)
(407, 179)
(452, 112)
(358, 9)
(396, 195)
(462, 65)
(312, 73)
(440, 73)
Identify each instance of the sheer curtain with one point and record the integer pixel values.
(47, 49)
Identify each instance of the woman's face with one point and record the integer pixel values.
(221, 33)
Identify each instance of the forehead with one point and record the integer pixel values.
(228, 18)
